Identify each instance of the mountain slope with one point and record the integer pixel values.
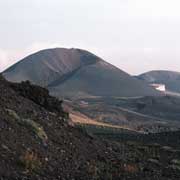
(170, 78)
(70, 72)
(37, 142)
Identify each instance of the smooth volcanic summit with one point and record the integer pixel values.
(170, 78)
(76, 72)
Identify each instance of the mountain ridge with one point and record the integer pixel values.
(69, 72)
(170, 78)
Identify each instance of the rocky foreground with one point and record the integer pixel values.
(38, 141)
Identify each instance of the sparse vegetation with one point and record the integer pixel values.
(30, 161)
(130, 168)
(13, 115)
(34, 126)
(175, 164)
(37, 129)
(103, 154)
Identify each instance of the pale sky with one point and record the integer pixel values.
(135, 35)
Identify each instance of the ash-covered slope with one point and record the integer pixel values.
(44, 67)
(37, 141)
(170, 78)
(70, 72)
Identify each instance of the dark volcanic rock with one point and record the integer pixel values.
(40, 145)
(38, 95)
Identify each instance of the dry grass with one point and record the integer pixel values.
(130, 168)
(79, 118)
(30, 161)
(31, 124)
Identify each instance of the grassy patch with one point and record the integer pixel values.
(30, 161)
(34, 126)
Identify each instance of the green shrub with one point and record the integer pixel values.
(13, 114)
(34, 126)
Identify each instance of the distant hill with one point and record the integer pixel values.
(76, 72)
(170, 78)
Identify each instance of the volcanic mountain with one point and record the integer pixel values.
(70, 72)
(170, 78)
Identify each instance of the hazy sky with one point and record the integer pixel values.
(135, 35)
